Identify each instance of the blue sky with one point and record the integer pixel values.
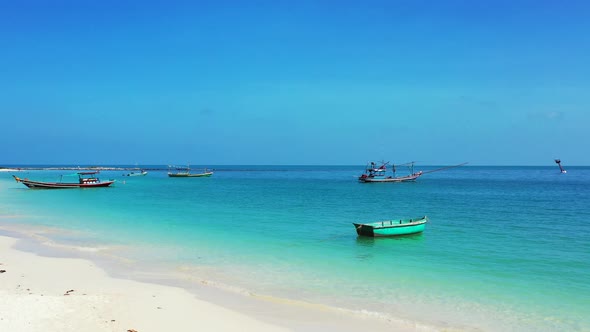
(294, 82)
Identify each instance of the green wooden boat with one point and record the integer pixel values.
(392, 227)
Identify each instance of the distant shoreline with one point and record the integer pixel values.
(68, 168)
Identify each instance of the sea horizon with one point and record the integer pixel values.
(198, 165)
(286, 232)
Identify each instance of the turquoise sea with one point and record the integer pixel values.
(506, 248)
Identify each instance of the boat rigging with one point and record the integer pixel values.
(374, 173)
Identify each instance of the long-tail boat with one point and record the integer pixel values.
(391, 227)
(85, 180)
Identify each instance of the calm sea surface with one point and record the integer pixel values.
(506, 249)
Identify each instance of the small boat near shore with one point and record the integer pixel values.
(185, 172)
(85, 180)
(391, 227)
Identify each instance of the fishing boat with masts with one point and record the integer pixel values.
(185, 172)
(391, 227)
(85, 180)
(374, 173)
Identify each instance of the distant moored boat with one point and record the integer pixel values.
(185, 172)
(374, 173)
(141, 173)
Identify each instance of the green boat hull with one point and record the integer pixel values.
(391, 227)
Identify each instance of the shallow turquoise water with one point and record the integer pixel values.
(507, 248)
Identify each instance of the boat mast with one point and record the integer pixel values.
(409, 164)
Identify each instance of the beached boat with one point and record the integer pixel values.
(374, 173)
(185, 172)
(391, 227)
(140, 173)
(85, 180)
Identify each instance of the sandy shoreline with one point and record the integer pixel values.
(71, 294)
(66, 294)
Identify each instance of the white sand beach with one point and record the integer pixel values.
(63, 294)
(41, 293)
